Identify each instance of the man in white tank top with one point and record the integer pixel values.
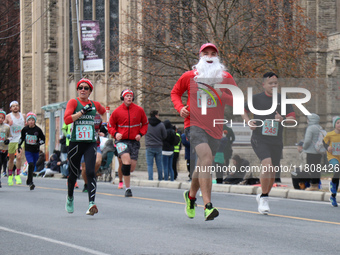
(16, 122)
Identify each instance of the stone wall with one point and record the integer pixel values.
(26, 57)
(57, 84)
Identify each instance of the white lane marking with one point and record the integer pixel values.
(55, 241)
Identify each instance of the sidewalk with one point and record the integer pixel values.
(140, 178)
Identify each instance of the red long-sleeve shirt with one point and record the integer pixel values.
(128, 121)
(72, 105)
(186, 83)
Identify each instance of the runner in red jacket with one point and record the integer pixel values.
(199, 127)
(128, 123)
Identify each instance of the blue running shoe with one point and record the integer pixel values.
(69, 206)
(332, 187)
(92, 209)
(333, 201)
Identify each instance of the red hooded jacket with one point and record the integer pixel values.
(128, 121)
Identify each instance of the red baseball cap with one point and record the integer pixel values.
(86, 81)
(207, 45)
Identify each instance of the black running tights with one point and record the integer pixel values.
(75, 153)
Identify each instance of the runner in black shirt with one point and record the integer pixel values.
(33, 137)
(266, 139)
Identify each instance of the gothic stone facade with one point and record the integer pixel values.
(45, 60)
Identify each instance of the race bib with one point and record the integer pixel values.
(2, 137)
(31, 139)
(270, 128)
(210, 101)
(16, 130)
(84, 133)
(121, 147)
(335, 149)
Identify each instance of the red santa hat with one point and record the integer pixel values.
(86, 81)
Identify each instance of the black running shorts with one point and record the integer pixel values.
(265, 150)
(128, 146)
(197, 135)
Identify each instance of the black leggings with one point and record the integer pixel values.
(3, 161)
(336, 174)
(75, 153)
(174, 164)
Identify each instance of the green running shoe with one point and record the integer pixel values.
(92, 209)
(190, 205)
(18, 179)
(10, 180)
(69, 207)
(210, 212)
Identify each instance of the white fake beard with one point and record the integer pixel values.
(210, 73)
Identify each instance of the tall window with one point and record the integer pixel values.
(114, 25)
(114, 36)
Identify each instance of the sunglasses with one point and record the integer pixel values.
(81, 88)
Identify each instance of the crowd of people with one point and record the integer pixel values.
(81, 151)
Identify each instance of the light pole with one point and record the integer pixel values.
(77, 53)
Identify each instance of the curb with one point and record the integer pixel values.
(240, 189)
(282, 192)
(306, 195)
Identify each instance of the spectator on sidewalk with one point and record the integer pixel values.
(40, 165)
(154, 143)
(300, 178)
(177, 149)
(224, 153)
(52, 166)
(189, 155)
(219, 160)
(63, 156)
(236, 176)
(313, 157)
(228, 152)
(168, 150)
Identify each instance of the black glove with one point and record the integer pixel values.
(6, 142)
(19, 149)
(86, 108)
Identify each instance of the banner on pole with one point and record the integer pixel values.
(91, 45)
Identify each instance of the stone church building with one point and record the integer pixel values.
(47, 67)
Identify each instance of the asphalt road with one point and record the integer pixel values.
(154, 222)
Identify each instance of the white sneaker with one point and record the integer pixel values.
(263, 206)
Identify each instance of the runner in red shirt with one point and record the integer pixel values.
(199, 127)
(81, 113)
(128, 123)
